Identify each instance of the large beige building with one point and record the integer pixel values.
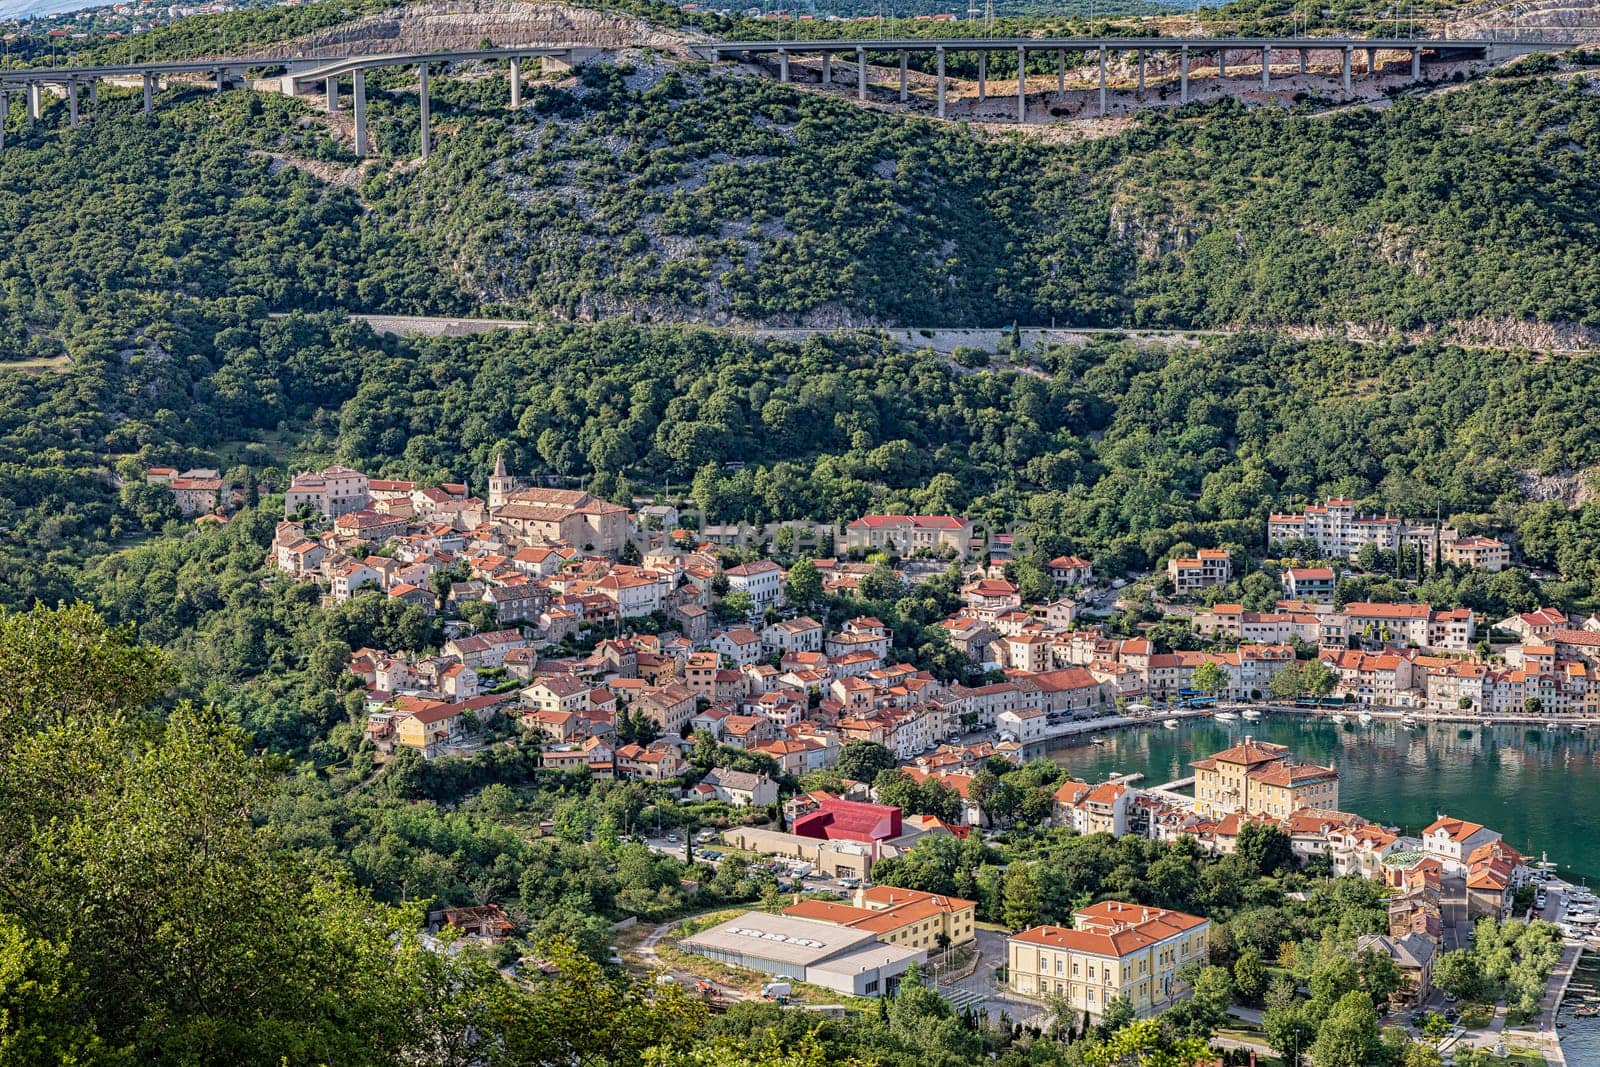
(1484, 553)
(1113, 950)
(331, 492)
(906, 534)
(569, 515)
(1258, 778)
(1207, 567)
(1340, 531)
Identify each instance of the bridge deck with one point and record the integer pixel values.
(300, 67)
(1011, 44)
(313, 68)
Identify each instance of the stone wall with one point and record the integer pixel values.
(441, 27)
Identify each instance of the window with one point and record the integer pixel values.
(871, 987)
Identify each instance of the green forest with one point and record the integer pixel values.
(671, 195)
(664, 192)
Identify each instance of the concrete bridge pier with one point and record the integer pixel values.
(72, 103)
(1183, 75)
(222, 81)
(1302, 62)
(1061, 73)
(34, 107)
(330, 89)
(827, 68)
(1222, 64)
(1141, 70)
(783, 67)
(905, 59)
(5, 111)
(1266, 66)
(422, 105)
(1344, 67)
(149, 94)
(1372, 62)
(94, 94)
(1022, 84)
(358, 108)
(515, 74)
(941, 81)
(861, 73)
(1102, 81)
(983, 76)
(1416, 64)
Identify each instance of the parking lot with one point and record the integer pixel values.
(786, 871)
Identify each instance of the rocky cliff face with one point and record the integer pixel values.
(1557, 20)
(439, 27)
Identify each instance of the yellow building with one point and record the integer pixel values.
(903, 917)
(1114, 950)
(428, 728)
(1258, 778)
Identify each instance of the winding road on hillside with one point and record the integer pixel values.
(943, 340)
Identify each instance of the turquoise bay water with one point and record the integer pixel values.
(1539, 788)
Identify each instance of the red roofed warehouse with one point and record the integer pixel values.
(849, 820)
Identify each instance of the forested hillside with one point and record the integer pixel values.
(669, 193)
(659, 191)
(152, 250)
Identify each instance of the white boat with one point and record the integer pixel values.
(1552, 725)
(1226, 716)
(1171, 724)
(1366, 718)
(1252, 716)
(1408, 722)
(1097, 740)
(1341, 719)
(1580, 726)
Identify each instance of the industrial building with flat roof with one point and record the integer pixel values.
(897, 916)
(841, 958)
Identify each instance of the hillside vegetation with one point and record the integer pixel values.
(668, 193)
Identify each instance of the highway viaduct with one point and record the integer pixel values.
(295, 75)
(292, 75)
(1186, 49)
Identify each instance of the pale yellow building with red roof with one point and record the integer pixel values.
(1112, 950)
(905, 917)
(1259, 778)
